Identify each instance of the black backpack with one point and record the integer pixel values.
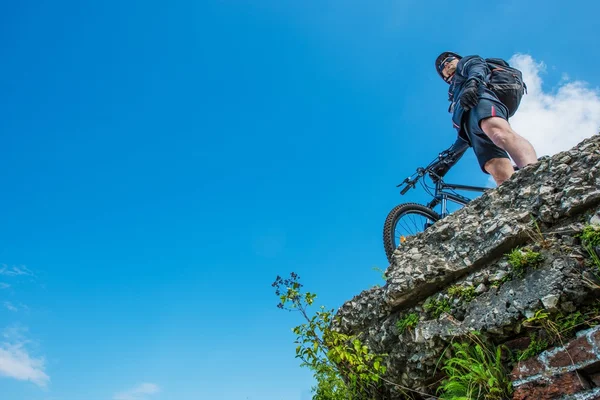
(507, 83)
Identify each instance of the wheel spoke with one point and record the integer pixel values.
(408, 221)
(404, 221)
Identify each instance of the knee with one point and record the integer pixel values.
(499, 131)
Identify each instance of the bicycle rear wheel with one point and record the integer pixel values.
(403, 221)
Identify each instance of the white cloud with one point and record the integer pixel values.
(139, 392)
(15, 270)
(557, 120)
(15, 307)
(17, 363)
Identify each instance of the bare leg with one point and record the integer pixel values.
(519, 148)
(500, 168)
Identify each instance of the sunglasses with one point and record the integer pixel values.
(442, 65)
(444, 61)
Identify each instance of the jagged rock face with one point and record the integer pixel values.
(468, 249)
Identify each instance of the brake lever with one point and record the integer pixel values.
(411, 183)
(403, 182)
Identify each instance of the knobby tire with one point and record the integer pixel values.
(395, 215)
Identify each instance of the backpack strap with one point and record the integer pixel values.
(497, 61)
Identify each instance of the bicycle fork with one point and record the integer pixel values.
(444, 206)
(440, 199)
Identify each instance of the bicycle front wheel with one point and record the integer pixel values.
(403, 221)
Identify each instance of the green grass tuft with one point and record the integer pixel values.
(521, 259)
(475, 371)
(408, 322)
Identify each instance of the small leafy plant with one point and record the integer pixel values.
(435, 307)
(591, 235)
(475, 371)
(553, 328)
(408, 322)
(547, 322)
(591, 314)
(521, 259)
(568, 323)
(343, 367)
(536, 346)
(466, 293)
(590, 238)
(382, 272)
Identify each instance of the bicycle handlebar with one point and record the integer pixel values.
(406, 189)
(444, 159)
(410, 183)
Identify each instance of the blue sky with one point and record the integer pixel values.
(161, 164)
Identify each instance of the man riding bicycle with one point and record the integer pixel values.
(480, 118)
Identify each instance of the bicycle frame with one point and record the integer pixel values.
(443, 197)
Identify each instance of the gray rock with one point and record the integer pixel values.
(550, 301)
(481, 289)
(500, 275)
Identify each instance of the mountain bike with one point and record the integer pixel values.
(409, 219)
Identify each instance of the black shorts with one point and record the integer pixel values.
(482, 145)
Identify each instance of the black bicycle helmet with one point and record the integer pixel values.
(440, 59)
